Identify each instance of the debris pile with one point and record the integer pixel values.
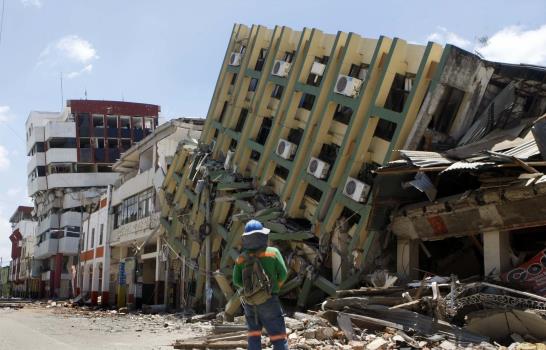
(436, 312)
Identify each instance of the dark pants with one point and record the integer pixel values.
(268, 315)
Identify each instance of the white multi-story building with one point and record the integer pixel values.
(70, 157)
(120, 257)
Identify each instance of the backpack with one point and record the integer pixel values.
(256, 283)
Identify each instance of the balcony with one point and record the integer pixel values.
(133, 186)
(36, 136)
(61, 155)
(60, 129)
(71, 218)
(50, 222)
(38, 159)
(136, 230)
(47, 248)
(81, 180)
(37, 184)
(69, 245)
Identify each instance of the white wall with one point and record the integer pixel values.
(34, 161)
(81, 180)
(94, 222)
(60, 129)
(133, 186)
(61, 155)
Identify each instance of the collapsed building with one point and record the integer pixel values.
(303, 133)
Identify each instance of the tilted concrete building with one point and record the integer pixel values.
(297, 126)
(70, 157)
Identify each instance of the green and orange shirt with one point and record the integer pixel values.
(273, 264)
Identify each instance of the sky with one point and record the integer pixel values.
(169, 52)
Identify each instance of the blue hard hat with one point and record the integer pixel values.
(254, 226)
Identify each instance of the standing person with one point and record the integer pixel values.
(259, 273)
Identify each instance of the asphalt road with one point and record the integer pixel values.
(43, 329)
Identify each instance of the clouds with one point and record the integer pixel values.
(32, 3)
(71, 54)
(4, 158)
(443, 36)
(5, 114)
(513, 44)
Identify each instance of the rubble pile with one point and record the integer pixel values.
(436, 312)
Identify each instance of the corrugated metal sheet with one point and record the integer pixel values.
(466, 166)
(425, 159)
(523, 151)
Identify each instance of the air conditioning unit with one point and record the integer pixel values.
(318, 68)
(285, 149)
(280, 68)
(356, 190)
(235, 59)
(348, 86)
(318, 168)
(363, 74)
(408, 84)
(227, 163)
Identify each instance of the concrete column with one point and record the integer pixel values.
(85, 283)
(407, 258)
(56, 287)
(106, 276)
(95, 284)
(157, 270)
(496, 252)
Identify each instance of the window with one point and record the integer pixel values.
(253, 84)
(295, 135)
(146, 160)
(313, 192)
(288, 56)
(145, 203)
(242, 120)
(307, 101)
(61, 142)
(92, 238)
(277, 92)
(281, 172)
(261, 60)
(343, 114)
(134, 208)
(101, 234)
(448, 109)
(223, 112)
(385, 129)
(399, 92)
(264, 131)
(233, 79)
